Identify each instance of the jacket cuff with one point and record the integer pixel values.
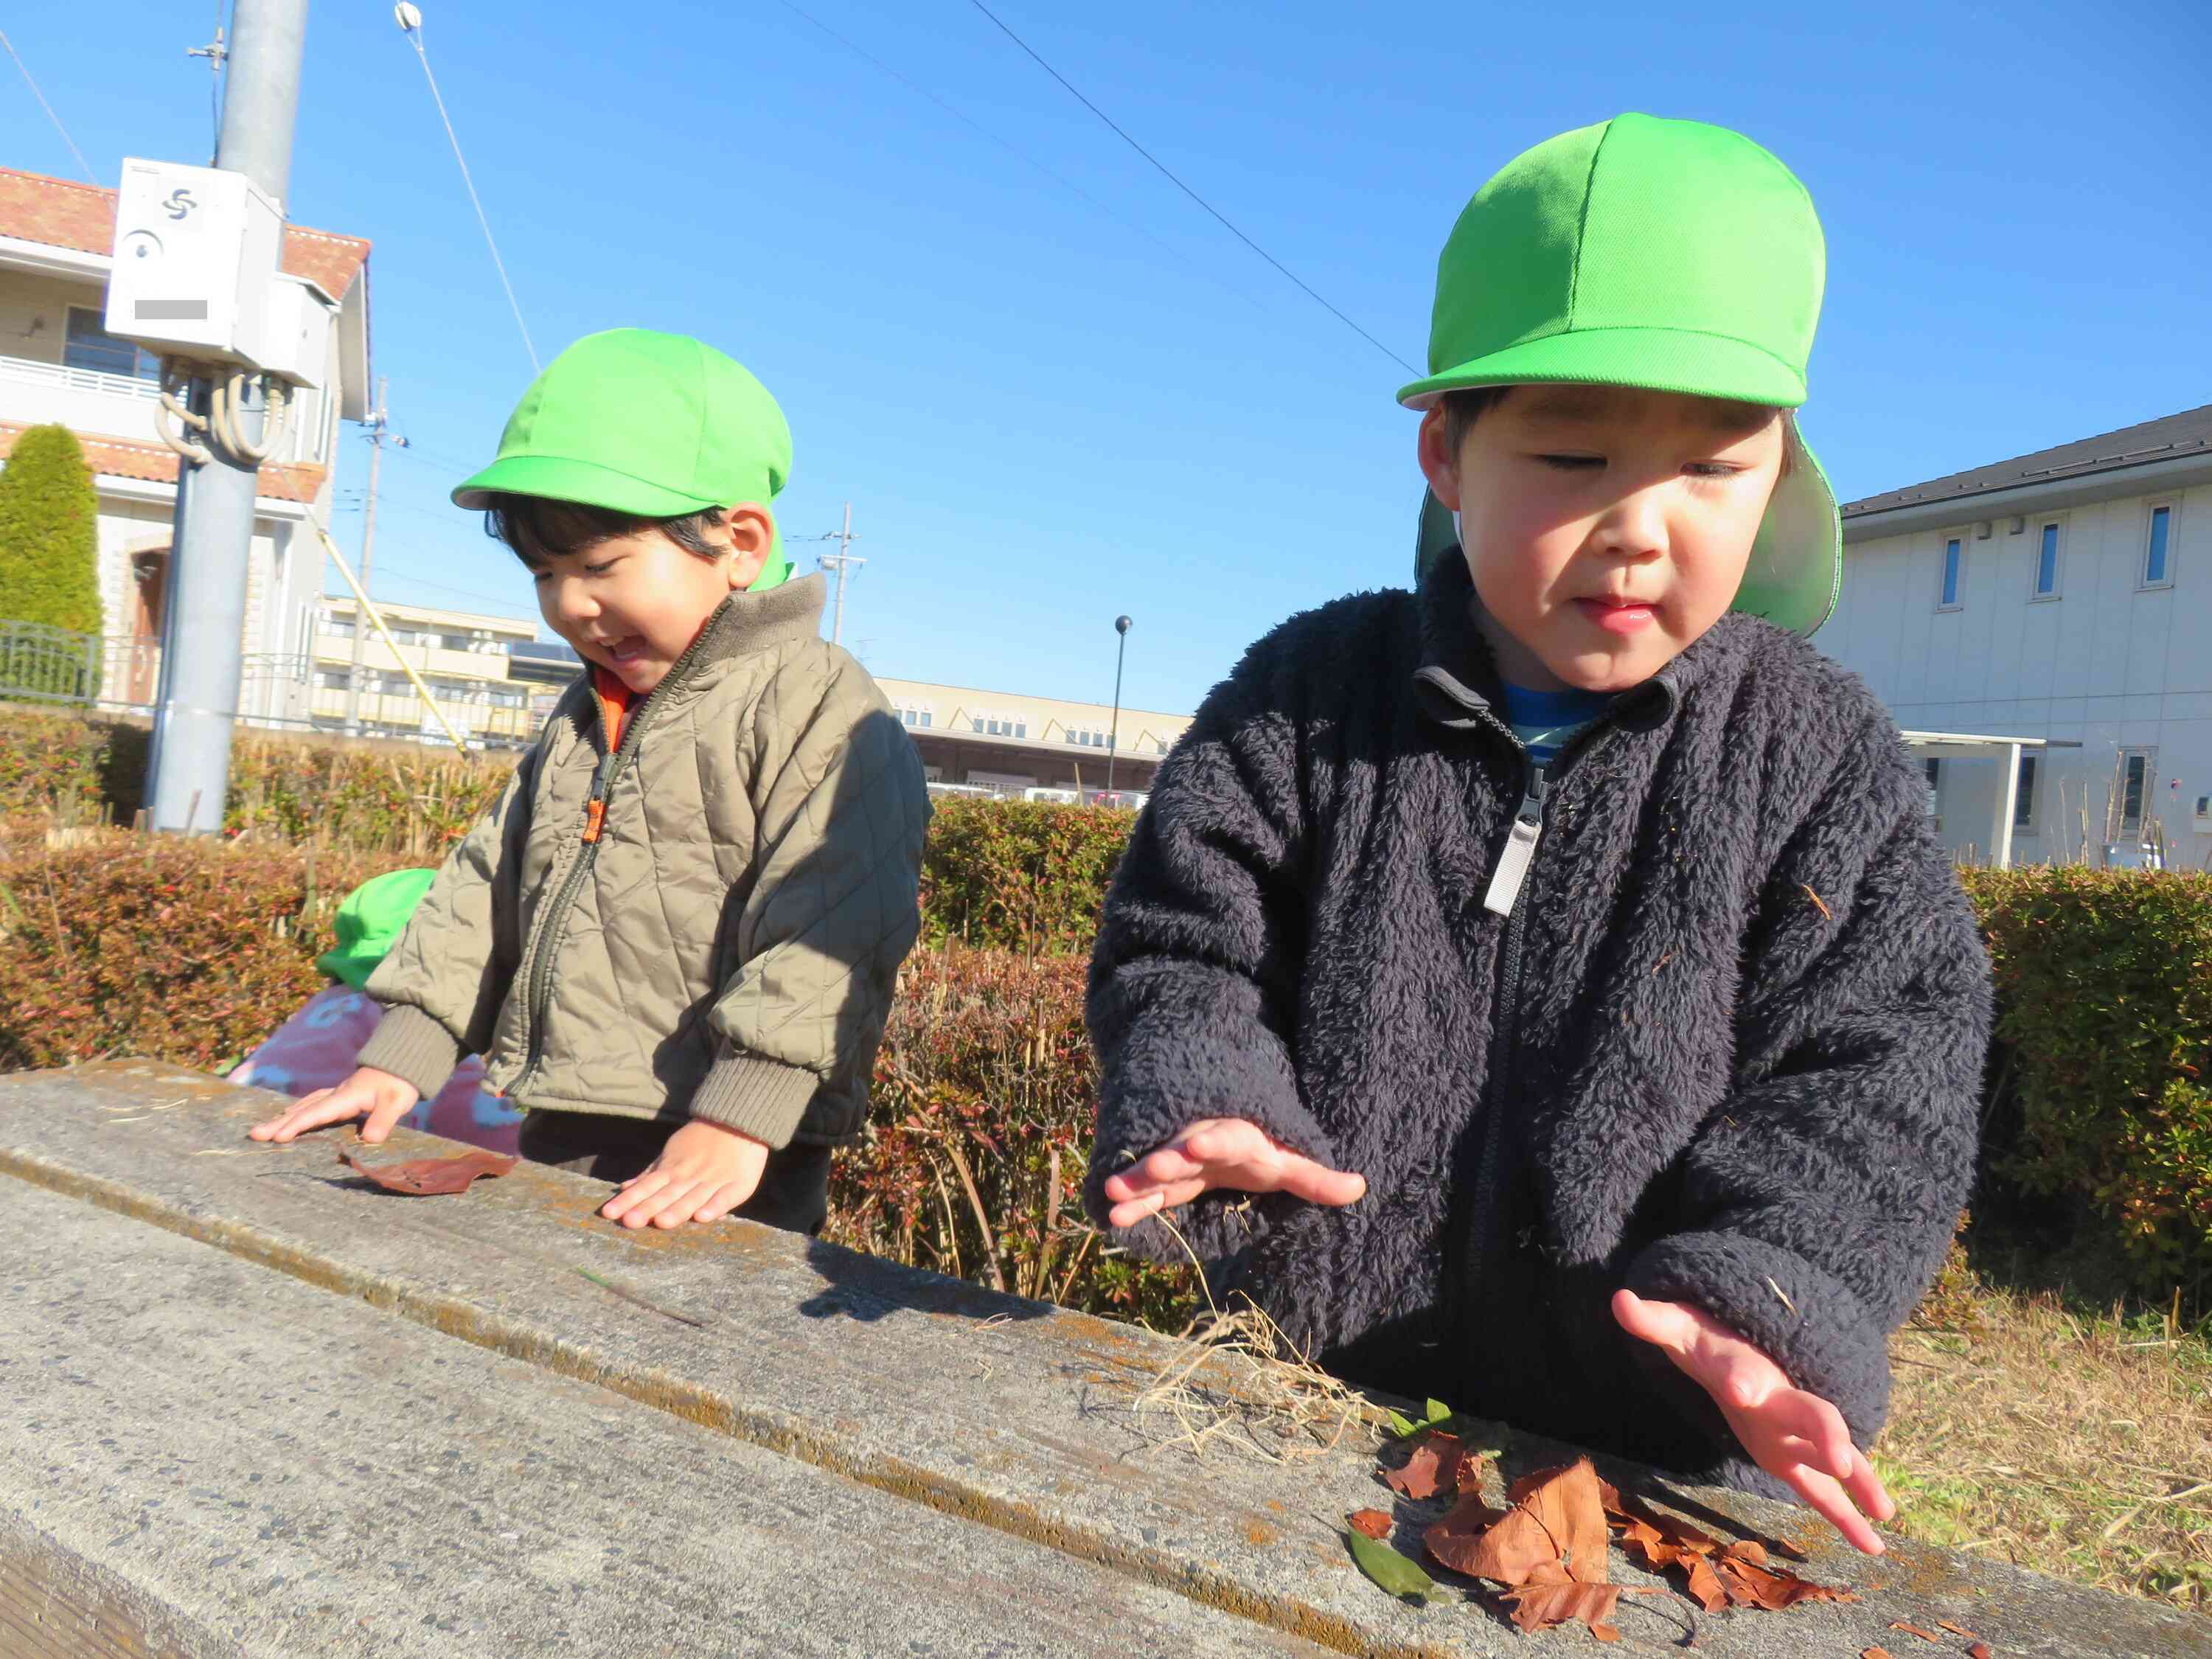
(762, 1099)
(414, 1047)
(1805, 1319)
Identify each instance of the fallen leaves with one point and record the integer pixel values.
(420, 1178)
(1369, 1523)
(1915, 1629)
(1548, 1550)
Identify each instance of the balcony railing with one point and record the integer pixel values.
(121, 405)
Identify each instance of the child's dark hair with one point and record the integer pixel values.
(537, 527)
(1463, 409)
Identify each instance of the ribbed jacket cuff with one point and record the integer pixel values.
(414, 1047)
(762, 1099)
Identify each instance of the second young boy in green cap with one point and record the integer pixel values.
(674, 936)
(1567, 962)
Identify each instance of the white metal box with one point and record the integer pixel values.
(295, 343)
(195, 251)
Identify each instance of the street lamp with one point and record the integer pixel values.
(1114, 736)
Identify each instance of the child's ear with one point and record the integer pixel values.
(752, 533)
(1439, 464)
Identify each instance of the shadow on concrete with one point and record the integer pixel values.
(868, 1288)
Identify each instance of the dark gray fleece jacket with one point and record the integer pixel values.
(1720, 1040)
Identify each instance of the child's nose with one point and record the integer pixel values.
(573, 602)
(1636, 527)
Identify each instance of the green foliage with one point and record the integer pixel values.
(2104, 1002)
(372, 798)
(48, 538)
(1020, 875)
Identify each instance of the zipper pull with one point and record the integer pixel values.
(1520, 847)
(595, 809)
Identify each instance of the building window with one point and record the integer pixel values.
(2023, 806)
(911, 713)
(2132, 793)
(1933, 770)
(1955, 562)
(2046, 561)
(86, 344)
(2158, 547)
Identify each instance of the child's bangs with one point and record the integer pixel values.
(537, 527)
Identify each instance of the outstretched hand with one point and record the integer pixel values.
(1223, 1152)
(379, 1097)
(1798, 1437)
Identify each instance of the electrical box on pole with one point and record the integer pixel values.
(195, 249)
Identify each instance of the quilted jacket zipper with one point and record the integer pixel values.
(539, 980)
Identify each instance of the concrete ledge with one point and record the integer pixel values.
(1000, 1415)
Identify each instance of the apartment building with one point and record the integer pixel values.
(467, 660)
(58, 365)
(2064, 595)
(1008, 742)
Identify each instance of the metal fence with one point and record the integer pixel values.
(122, 674)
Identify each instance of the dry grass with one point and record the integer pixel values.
(2031, 1428)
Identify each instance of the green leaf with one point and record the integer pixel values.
(1392, 1571)
(1438, 1412)
(1403, 1428)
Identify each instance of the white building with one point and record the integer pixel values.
(1008, 742)
(2064, 595)
(58, 364)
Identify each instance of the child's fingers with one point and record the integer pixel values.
(1867, 1490)
(1301, 1177)
(1169, 1162)
(309, 1112)
(1829, 1500)
(721, 1200)
(635, 1192)
(382, 1120)
(1154, 1202)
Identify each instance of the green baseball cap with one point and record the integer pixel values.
(637, 422)
(370, 921)
(1670, 256)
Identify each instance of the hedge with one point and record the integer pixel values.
(2104, 977)
(2104, 983)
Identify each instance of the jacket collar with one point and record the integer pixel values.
(747, 622)
(1457, 685)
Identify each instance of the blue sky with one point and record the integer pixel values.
(1052, 387)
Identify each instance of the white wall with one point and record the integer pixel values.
(2108, 662)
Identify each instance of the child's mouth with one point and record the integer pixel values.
(624, 651)
(1617, 619)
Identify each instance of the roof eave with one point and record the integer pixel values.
(2082, 490)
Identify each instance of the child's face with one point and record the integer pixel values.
(634, 604)
(1605, 529)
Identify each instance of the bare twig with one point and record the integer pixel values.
(975, 1202)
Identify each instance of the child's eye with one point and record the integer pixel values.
(1714, 469)
(600, 569)
(1573, 462)
(538, 576)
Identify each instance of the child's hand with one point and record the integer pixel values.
(1223, 1152)
(385, 1098)
(1798, 1437)
(704, 1172)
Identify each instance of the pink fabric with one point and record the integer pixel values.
(315, 1049)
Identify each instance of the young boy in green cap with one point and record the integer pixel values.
(674, 936)
(1543, 991)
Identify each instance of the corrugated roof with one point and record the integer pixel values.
(119, 457)
(37, 207)
(2167, 438)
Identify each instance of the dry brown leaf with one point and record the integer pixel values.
(1373, 1523)
(1567, 1501)
(1979, 1650)
(1453, 1541)
(1874, 1653)
(420, 1178)
(1705, 1584)
(1749, 1586)
(1746, 1549)
(1915, 1629)
(1509, 1551)
(1955, 1630)
(1435, 1465)
(1539, 1606)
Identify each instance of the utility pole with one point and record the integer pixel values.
(1113, 735)
(379, 429)
(203, 622)
(842, 562)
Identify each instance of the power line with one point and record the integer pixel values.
(1006, 144)
(411, 24)
(1166, 173)
(49, 108)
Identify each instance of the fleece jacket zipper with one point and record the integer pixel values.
(539, 983)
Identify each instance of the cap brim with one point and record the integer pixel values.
(343, 965)
(1796, 571)
(1650, 359)
(556, 477)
